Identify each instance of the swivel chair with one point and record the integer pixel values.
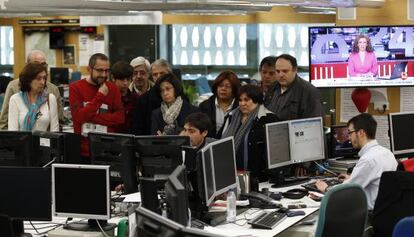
(6, 226)
(404, 228)
(343, 212)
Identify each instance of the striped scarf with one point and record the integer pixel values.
(238, 129)
(33, 109)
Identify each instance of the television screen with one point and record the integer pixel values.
(361, 56)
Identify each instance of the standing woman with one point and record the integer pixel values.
(33, 108)
(247, 124)
(169, 118)
(362, 61)
(224, 99)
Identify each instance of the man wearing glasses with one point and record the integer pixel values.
(14, 87)
(374, 159)
(95, 103)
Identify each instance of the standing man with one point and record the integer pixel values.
(374, 159)
(122, 75)
(95, 103)
(149, 101)
(268, 75)
(14, 87)
(293, 97)
(140, 80)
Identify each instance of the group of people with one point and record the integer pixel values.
(148, 99)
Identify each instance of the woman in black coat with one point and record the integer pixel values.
(169, 118)
(224, 99)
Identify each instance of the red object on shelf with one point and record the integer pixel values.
(361, 98)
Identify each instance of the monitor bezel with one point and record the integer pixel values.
(392, 146)
(350, 86)
(83, 215)
(209, 148)
(280, 164)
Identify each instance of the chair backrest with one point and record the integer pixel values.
(343, 212)
(394, 201)
(404, 228)
(6, 226)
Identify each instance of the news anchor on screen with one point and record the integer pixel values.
(362, 61)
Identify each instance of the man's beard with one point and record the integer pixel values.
(97, 81)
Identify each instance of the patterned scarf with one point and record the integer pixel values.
(239, 129)
(33, 109)
(170, 114)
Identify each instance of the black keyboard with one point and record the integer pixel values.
(312, 187)
(267, 220)
(196, 223)
(291, 181)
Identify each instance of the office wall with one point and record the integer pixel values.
(393, 12)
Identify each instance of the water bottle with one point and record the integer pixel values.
(231, 206)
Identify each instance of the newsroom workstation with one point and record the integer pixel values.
(180, 189)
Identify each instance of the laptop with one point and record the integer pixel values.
(396, 71)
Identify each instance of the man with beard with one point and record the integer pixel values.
(95, 103)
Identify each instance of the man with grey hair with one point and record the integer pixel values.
(14, 87)
(160, 67)
(140, 78)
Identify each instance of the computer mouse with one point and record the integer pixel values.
(283, 210)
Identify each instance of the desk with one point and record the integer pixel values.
(286, 226)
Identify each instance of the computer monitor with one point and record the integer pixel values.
(160, 155)
(16, 148)
(118, 151)
(277, 144)
(340, 143)
(176, 196)
(82, 191)
(59, 75)
(401, 133)
(218, 169)
(19, 183)
(151, 224)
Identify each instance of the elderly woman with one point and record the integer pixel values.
(33, 108)
(169, 118)
(362, 61)
(224, 99)
(247, 124)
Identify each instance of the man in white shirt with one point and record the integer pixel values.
(374, 159)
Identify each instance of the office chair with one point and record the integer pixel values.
(343, 212)
(6, 226)
(394, 201)
(404, 228)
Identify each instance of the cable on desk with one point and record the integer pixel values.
(100, 227)
(50, 162)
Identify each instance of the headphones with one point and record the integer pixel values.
(296, 193)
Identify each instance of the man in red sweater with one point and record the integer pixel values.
(95, 103)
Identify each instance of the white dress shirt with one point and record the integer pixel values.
(220, 114)
(18, 110)
(374, 160)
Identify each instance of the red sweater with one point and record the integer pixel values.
(85, 101)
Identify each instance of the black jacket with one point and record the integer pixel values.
(209, 107)
(145, 104)
(158, 123)
(256, 141)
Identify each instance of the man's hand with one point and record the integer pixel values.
(300, 171)
(321, 185)
(103, 89)
(343, 177)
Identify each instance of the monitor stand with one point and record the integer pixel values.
(91, 225)
(18, 228)
(278, 178)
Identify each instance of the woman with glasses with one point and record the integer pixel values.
(33, 108)
(169, 118)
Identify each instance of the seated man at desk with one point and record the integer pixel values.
(196, 126)
(374, 159)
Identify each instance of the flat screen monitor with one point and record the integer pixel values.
(59, 75)
(402, 133)
(340, 143)
(277, 144)
(217, 157)
(49, 146)
(19, 183)
(151, 224)
(160, 155)
(176, 196)
(116, 150)
(81, 191)
(333, 63)
(16, 148)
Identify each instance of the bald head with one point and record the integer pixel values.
(36, 56)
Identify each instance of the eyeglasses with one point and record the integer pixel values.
(350, 132)
(100, 70)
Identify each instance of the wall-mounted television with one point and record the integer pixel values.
(384, 57)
